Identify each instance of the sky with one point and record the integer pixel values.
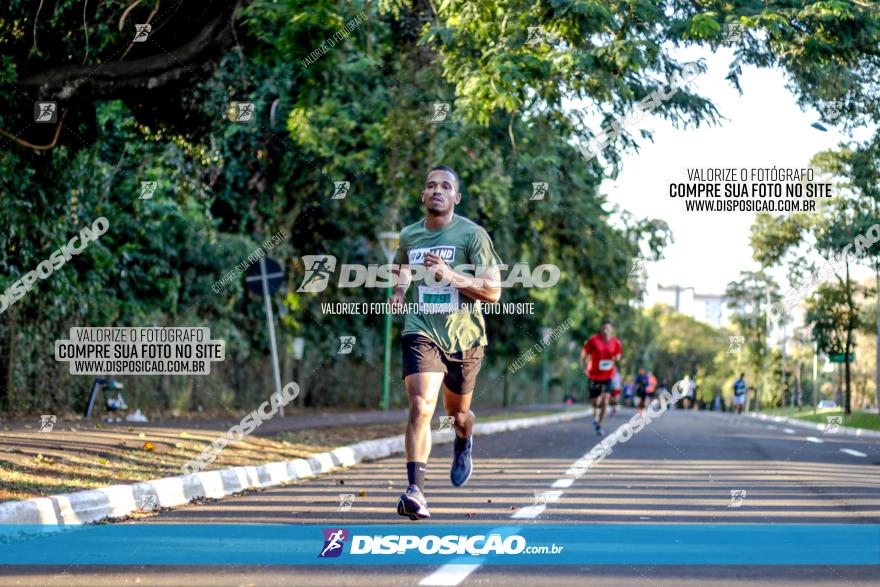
(763, 127)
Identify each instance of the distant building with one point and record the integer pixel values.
(706, 307)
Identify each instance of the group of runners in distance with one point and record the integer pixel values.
(443, 351)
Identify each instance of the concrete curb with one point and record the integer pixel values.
(819, 426)
(84, 507)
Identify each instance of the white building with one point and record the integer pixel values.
(706, 307)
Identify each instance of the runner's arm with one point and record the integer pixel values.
(402, 279)
(485, 287)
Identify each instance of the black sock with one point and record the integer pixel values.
(460, 443)
(415, 473)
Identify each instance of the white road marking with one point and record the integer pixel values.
(771, 427)
(551, 496)
(814, 439)
(788, 430)
(529, 512)
(449, 575)
(453, 574)
(852, 452)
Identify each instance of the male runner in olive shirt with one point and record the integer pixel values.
(442, 346)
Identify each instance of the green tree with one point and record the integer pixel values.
(835, 319)
(750, 296)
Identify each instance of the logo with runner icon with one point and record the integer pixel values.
(345, 502)
(737, 497)
(346, 344)
(340, 190)
(736, 344)
(832, 424)
(539, 190)
(334, 542)
(639, 268)
(446, 424)
(319, 268)
(47, 422)
(441, 109)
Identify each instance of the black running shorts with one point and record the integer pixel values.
(597, 388)
(422, 355)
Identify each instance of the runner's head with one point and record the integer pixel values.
(441, 192)
(641, 370)
(742, 375)
(606, 328)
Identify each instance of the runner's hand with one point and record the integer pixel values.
(438, 266)
(397, 299)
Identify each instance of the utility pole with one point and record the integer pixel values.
(389, 241)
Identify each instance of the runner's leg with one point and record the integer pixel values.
(459, 407)
(423, 390)
(604, 399)
(458, 387)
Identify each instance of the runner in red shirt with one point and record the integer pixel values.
(598, 356)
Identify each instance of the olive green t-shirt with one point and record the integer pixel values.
(461, 242)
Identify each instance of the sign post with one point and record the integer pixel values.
(266, 278)
(389, 242)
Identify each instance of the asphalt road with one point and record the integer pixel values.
(679, 469)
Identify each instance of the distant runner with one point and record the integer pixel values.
(616, 386)
(641, 384)
(442, 347)
(740, 394)
(651, 388)
(628, 392)
(688, 392)
(597, 358)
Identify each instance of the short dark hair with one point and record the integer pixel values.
(607, 321)
(450, 170)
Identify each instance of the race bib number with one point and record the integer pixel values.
(438, 300)
(606, 364)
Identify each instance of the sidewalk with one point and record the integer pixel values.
(166, 487)
(88, 454)
(818, 426)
